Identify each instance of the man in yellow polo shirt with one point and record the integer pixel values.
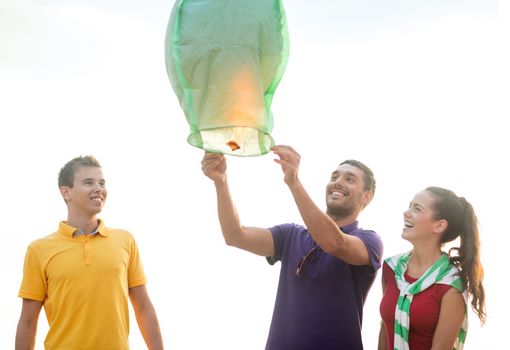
(84, 274)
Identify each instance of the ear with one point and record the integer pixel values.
(440, 226)
(65, 192)
(367, 198)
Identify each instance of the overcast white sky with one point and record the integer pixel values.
(418, 90)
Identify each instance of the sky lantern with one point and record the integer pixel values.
(225, 59)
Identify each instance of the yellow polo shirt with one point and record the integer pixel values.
(83, 281)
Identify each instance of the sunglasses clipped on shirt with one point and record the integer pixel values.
(309, 256)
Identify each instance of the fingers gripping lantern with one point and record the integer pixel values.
(225, 59)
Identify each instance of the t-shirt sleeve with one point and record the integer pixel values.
(136, 274)
(33, 285)
(280, 235)
(374, 246)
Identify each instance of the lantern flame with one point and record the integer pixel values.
(243, 111)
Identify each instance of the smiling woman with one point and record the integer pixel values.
(426, 294)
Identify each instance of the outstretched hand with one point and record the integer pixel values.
(214, 166)
(289, 160)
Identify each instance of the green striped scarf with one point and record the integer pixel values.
(442, 272)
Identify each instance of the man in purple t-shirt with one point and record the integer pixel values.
(327, 266)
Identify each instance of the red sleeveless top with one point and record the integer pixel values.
(424, 312)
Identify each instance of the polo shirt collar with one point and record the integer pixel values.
(68, 230)
(350, 228)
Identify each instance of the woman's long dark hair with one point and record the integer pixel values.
(462, 222)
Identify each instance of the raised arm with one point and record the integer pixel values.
(27, 325)
(253, 239)
(146, 317)
(324, 231)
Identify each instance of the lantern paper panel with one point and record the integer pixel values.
(225, 59)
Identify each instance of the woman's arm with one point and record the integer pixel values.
(451, 316)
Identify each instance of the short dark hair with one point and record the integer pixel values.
(66, 174)
(368, 175)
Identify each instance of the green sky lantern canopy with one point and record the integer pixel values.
(225, 59)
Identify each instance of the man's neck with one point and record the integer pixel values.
(85, 224)
(344, 221)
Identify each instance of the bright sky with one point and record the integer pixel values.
(418, 90)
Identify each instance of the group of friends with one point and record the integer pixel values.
(85, 273)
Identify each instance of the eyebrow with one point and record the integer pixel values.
(414, 204)
(92, 179)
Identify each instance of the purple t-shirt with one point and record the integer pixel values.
(323, 308)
